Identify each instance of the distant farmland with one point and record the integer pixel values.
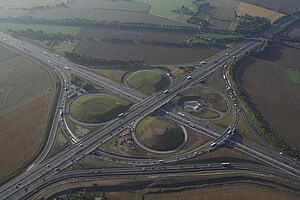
(294, 31)
(221, 13)
(101, 15)
(150, 54)
(132, 34)
(249, 9)
(27, 89)
(288, 6)
(276, 97)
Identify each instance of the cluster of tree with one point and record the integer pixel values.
(249, 24)
(81, 195)
(265, 130)
(197, 18)
(87, 86)
(41, 35)
(183, 10)
(46, 7)
(91, 23)
(89, 60)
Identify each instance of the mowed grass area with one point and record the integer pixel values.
(123, 5)
(294, 75)
(159, 134)
(98, 108)
(148, 81)
(27, 90)
(112, 74)
(278, 99)
(245, 191)
(249, 9)
(163, 8)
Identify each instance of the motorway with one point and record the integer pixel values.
(157, 170)
(29, 181)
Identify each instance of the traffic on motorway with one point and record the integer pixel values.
(37, 176)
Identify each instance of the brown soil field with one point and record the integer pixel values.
(294, 31)
(131, 34)
(267, 82)
(245, 191)
(224, 10)
(219, 24)
(101, 15)
(150, 54)
(249, 9)
(288, 6)
(21, 132)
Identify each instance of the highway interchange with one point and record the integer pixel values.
(41, 172)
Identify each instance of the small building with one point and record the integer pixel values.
(193, 105)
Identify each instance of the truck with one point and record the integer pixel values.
(225, 164)
(213, 144)
(121, 115)
(181, 114)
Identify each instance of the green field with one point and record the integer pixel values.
(294, 75)
(21, 79)
(159, 134)
(148, 81)
(112, 74)
(123, 5)
(98, 108)
(46, 28)
(163, 8)
(12, 13)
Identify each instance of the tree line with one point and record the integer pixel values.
(92, 61)
(41, 35)
(92, 23)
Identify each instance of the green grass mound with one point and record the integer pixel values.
(158, 134)
(148, 81)
(97, 108)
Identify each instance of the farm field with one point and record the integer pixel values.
(249, 9)
(245, 191)
(28, 3)
(101, 15)
(17, 84)
(163, 8)
(221, 13)
(98, 107)
(26, 95)
(288, 6)
(267, 82)
(150, 54)
(132, 34)
(123, 5)
(148, 81)
(294, 31)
